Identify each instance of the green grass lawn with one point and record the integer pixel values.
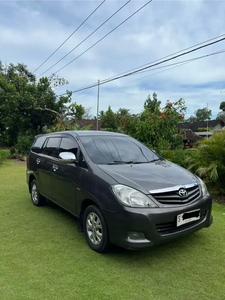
(42, 256)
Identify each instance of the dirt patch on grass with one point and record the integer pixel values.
(18, 161)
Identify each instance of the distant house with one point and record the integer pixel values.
(85, 122)
(189, 138)
(195, 131)
(200, 128)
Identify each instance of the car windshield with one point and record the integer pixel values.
(117, 150)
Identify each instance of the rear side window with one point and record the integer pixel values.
(52, 147)
(68, 145)
(37, 146)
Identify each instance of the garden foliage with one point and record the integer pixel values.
(4, 154)
(209, 161)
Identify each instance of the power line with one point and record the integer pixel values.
(219, 36)
(179, 65)
(86, 37)
(176, 65)
(188, 60)
(109, 79)
(165, 60)
(70, 35)
(103, 37)
(127, 83)
(137, 71)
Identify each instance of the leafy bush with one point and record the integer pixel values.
(156, 128)
(209, 161)
(22, 146)
(179, 156)
(4, 153)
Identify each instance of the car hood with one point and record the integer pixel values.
(149, 176)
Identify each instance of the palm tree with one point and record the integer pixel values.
(209, 160)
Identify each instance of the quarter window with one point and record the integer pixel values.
(38, 144)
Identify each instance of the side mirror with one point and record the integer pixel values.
(67, 157)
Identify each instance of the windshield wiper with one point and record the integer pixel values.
(132, 162)
(156, 159)
(118, 162)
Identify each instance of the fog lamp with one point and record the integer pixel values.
(136, 235)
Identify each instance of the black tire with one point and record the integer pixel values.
(36, 198)
(97, 231)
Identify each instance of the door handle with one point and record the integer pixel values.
(54, 167)
(38, 161)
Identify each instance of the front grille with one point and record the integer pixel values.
(171, 227)
(173, 197)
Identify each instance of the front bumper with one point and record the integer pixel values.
(157, 224)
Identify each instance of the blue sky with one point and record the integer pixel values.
(32, 30)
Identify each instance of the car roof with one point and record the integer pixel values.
(80, 133)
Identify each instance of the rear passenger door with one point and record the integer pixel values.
(65, 177)
(35, 160)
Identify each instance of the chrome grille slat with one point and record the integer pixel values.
(194, 196)
(193, 191)
(172, 197)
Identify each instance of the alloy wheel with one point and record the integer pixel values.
(94, 228)
(34, 194)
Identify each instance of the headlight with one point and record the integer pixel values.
(203, 187)
(131, 197)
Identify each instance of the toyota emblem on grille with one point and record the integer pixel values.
(182, 193)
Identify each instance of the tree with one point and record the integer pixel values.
(221, 115)
(192, 119)
(87, 114)
(157, 129)
(152, 105)
(123, 112)
(222, 106)
(109, 120)
(27, 106)
(77, 110)
(201, 114)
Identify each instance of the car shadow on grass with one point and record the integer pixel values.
(162, 250)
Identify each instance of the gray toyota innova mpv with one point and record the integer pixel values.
(121, 191)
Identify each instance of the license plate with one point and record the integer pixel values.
(188, 217)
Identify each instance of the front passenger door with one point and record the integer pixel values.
(65, 177)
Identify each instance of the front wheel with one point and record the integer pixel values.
(36, 198)
(95, 229)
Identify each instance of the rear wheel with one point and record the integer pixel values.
(36, 198)
(95, 229)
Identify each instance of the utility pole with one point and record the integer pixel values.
(207, 123)
(98, 103)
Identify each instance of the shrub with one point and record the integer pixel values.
(4, 154)
(209, 161)
(22, 146)
(179, 156)
(157, 129)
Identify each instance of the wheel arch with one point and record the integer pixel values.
(85, 203)
(31, 178)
